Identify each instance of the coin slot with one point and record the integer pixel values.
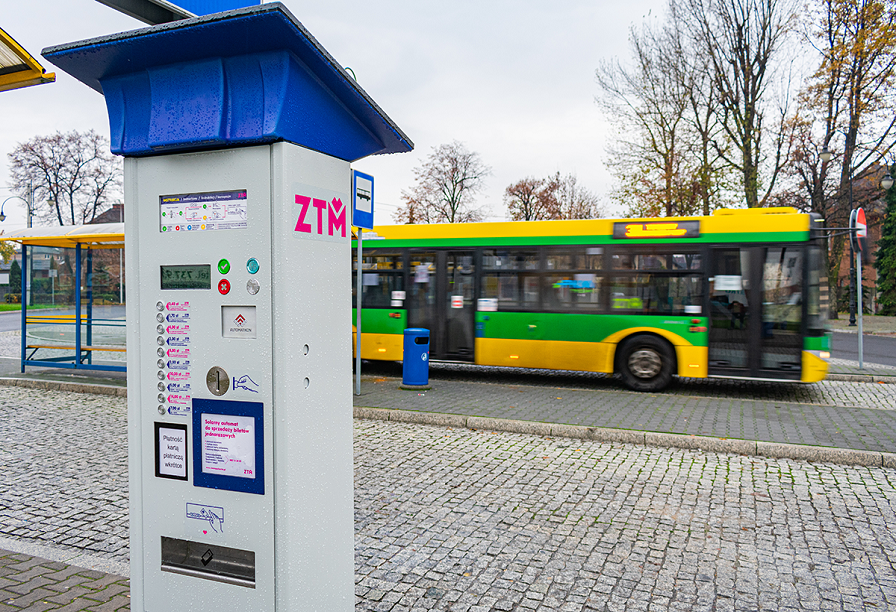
(217, 381)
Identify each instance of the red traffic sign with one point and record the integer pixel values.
(858, 223)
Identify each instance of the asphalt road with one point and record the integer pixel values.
(10, 321)
(877, 349)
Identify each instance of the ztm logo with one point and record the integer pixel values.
(239, 320)
(333, 212)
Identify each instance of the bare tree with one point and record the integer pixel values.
(554, 197)
(531, 199)
(573, 200)
(845, 109)
(651, 100)
(742, 41)
(73, 175)
(666, 159)
(446, 184)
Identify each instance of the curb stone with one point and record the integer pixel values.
(772, 450)
(55, 385)
(841, 456)
(865, 378)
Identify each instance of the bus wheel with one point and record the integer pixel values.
(645, 363)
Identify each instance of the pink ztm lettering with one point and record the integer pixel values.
(301, 226)
(321, 206)
(337, 220)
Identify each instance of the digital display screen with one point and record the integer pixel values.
(656, 229)
(187, 277)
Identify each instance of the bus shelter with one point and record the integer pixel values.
(72, 296)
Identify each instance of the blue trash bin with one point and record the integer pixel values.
(415, 366)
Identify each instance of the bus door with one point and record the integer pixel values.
(441, 293)
(732, 312)
(756, 312)
(421, 295)
(457, 314)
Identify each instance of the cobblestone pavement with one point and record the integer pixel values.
(63, 470)
(32, 583)
(859, 416)
(472, 521)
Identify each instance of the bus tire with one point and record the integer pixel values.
(646, 363)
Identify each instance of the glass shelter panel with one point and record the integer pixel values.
(60, 331)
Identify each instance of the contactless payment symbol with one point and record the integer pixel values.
(224, 286)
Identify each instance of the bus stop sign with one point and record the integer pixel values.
(860, 236)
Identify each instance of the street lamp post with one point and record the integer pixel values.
(29, 204)
(826, 156)
(26, 277)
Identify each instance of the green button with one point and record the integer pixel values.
(223, 266)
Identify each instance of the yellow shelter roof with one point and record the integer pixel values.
(18, 68)
(99, 235)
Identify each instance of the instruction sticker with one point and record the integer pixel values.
(171, 451)
(202, 212)
(209, 519)
(228, 445)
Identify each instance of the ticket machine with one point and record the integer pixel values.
(238, 130)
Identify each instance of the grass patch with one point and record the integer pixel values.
(18, 307)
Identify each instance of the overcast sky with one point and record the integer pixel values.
(512, 80)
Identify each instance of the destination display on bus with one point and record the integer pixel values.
(656, 229)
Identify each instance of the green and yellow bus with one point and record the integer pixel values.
(733, 295)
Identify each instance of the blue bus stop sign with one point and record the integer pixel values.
(362, 200)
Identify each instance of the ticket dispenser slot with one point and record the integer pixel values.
(209, 562)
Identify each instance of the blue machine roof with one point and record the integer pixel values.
(248, 76)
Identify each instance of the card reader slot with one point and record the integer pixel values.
(209, 562)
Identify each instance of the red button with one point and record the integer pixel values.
(224, 286)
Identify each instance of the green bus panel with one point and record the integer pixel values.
(817, 343)
(380, 321)
(572, 327)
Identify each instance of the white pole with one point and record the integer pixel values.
(359, 290)
(859, 304)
